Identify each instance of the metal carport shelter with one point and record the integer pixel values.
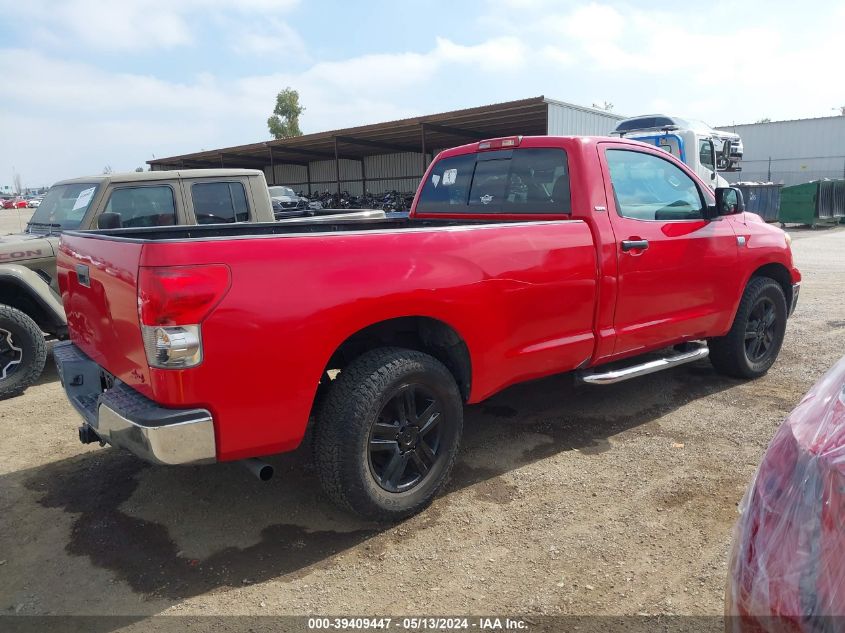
(394, 154)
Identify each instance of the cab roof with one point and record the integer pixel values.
(146, 176)
(544, 141)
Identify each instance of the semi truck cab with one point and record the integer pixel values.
(705, 150)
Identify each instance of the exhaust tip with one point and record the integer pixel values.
(262, 470)
(265, 473)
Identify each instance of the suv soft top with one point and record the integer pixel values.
(146, 176)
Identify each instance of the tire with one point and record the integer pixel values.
(23, 351)
(361, 432)
(752, 345)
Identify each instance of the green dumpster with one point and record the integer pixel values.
(813, 203)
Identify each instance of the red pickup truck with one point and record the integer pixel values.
(522, 257)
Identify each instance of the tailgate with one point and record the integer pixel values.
(98, 282)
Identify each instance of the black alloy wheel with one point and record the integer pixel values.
(760, 330)
(404, 443)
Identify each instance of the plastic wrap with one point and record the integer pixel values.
(787, 567)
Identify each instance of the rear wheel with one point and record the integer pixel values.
(752, 345)
(23, 351)
(388, 433)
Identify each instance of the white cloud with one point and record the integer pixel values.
(502, 53)
(557, 55)
(127, 25)
(101, 117)
(746, 62)
(272, 36)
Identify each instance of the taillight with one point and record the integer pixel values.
(172, 303)
(180, 295)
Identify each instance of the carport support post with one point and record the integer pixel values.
(363, 177)
(422, 143)
(272, 167)
(336, 166)
(308, 176)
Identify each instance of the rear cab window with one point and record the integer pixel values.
(220, 202)
(143, 206)
(514, 181)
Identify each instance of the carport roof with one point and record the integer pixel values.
(433, 131)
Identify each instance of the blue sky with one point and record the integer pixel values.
(89, 83)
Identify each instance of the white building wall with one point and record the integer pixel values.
(800, 151)
(566, 119)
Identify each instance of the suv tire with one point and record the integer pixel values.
(23, 351)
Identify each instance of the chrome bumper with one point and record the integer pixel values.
(188, 442)
(124, 418)
(796, 288)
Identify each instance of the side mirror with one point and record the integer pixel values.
(729, 201)
(109, 220)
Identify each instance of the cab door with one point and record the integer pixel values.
(677, 270)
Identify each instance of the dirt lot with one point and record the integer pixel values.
(613, 500)
(14, 220)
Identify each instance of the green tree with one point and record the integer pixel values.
(284, 121)
(138, 169)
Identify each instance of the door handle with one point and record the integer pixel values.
(630, 245)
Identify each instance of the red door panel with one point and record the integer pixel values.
(676, 270)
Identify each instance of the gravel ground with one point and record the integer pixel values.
(601, 500)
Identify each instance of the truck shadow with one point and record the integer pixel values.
(50, 373)
(174, 533)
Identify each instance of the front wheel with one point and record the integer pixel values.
(23, 351)
(752, 345)
(387, 434)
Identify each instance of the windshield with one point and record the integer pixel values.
(63, 207)
(277, 192)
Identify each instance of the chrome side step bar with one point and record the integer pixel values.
(626, 373)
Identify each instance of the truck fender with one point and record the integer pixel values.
(23, 288)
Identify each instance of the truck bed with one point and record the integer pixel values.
(519, 295)
(297, 226)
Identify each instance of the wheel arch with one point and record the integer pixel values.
(25, 290)
(425, 334)
(779, 273)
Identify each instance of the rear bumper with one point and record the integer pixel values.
(120, 416)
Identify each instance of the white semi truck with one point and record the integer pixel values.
(706, 150)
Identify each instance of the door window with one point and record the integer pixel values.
(219, 202)
(143, 206)
(648, 187)
(705, 155)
